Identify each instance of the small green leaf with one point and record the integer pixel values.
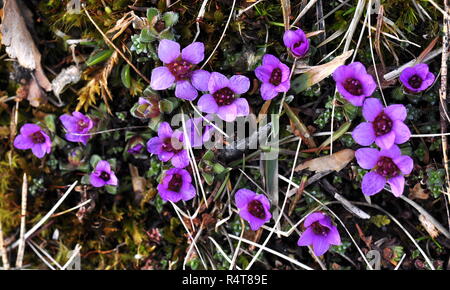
(209, 178)
(152, 12)
(99, 57)
(50, 122)
(111, 189)
(170, 18)
(146, 36)
(94, 160)
(218, 168)
(125, 76)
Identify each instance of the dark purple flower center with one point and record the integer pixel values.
(176, 182)
(319, 229)
(160, 25)
(224, 96)
(180, 69)
(415, 81)
(105, 176)
(168, 145)
(275, 77)
(382, 124)
(256, 208)
(298, 43)
(354, 87)
(82, 125)
(37, 137)
(386, 167)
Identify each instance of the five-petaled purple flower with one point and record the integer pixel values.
(297, 42)
(77, 124)
(387, 166)
(103, 175)
(384, 125)
(274, 76)
(198, 132)
(320, 233)
(222, 100)
(417, 78)
(168, 145)
(33, 137)
(179, 68)
(354, 83)
(254, 208)
(176, 185)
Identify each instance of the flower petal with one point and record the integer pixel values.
(263, 73)
(372, 183)
(371, 109)
(312, 218)
(402, 132)
(269, 59)
(200, 79)
(112, 180)
(386, 141)
(320, 246)
(367, 157)
(96, 181)
(243, 197)
(242, 106)
(364, 134)
(207, 104)
(404, 163)
(23, 142)
(161, 78)
(396, 112)
(186, 91)
(306, 238)
(333, 236)
(216, 82)
(392, 152)
(181, 159)
(194, 52)
(168, 50)
(227, 113)
(239, 84)
(268, 91)
(39, 150)
(397, 185)
(164, 130)
(290, 38)
(188, 193)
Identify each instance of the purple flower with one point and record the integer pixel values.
(384, 125)
(354, 83)
(387, 166)
(274, 76)
(103, 175)
(320, 233)
(222, 100)
(253, 208)
(417, 78)
(33, 137)
(197, 133)
(77, 124)
(176, 185)
(297, 42)
(169, 146)
(135, 149)
(179, 69)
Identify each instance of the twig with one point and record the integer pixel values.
(115, 47)
(3, 249)
(23, 214)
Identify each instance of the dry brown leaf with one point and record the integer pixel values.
(335, 162)
(137, 181)
(417, 192)
(19, 43)
(429, 227)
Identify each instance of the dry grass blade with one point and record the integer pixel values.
(286, 8)
(23, 215)
(335, 162)
(303, 12)
(3, 249)
(47, 216)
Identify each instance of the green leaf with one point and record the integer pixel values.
(170, 18)
(125, 76)
(151, 13)
(209, 178)
(49, 121)
(111, 189)
(85, 179)
(99, 57)
(94, 160)
(146, 36)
